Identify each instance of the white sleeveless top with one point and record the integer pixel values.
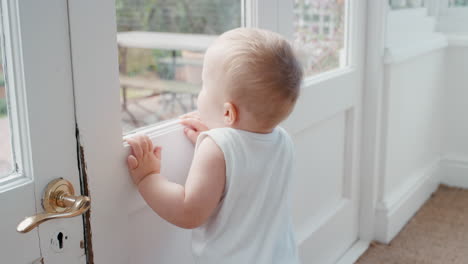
(252, 223)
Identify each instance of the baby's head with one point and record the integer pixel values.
(251, 81)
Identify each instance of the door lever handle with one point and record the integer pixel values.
(59, 201)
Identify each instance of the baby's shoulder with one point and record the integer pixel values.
(208, 148)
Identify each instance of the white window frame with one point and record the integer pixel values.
(286, 10)
(264, 14)
(16, 99)
(452, 19)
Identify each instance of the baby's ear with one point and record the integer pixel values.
(229, 114)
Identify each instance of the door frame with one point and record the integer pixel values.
(373, 125)
(93, 108)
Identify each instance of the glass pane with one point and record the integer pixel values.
(320, 27)
(6, 159)
(161, 46)
(456, 3)
(400, 4)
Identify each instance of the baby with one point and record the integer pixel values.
(236, 197)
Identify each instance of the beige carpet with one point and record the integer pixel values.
(438, 233)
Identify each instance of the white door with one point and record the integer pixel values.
(37, 131)
(326, 128)
(158, 75)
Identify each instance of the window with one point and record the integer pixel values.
(458, 3)
(6, 157)
(161, 47)
(400, 4)
(315, 29)
(322, 42)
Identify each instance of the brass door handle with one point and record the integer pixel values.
(59, 201)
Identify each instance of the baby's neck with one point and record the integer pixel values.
(252, 129)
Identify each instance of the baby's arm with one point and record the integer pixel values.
(186, 207)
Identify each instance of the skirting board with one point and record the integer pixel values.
(455, 171)
(354, 252)
(394, 212)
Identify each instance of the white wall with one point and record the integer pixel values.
(456, 116)
(414, 107)
(412, 118)
(411, 138)
(425, 132)
(455, 162)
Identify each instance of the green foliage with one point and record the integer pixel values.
(181, 16)
(139, 61)
(461, 2)
(164, 70)
(178, 16)
(3, 107)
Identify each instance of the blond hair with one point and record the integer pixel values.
(263, 72)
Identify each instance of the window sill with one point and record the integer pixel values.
(397, 54)
(409, 11)
(457, 40)
(177, 155)
(156, 130)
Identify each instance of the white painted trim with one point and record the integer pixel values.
(94, 50)
(264, 14)
(285, 10)
(371, 149)
(454, 170)
(354, 252)
(398, 208)
(161, 133)
(457, 40)
(40, 78)
(326, 76)
(443, 6)
(155, 130)
(420, 11)
(454, 11)
(16, 97)
(322, 101)
(399, 54)
(452, 19)
(313, 226)
(434, 7)
(249, 13)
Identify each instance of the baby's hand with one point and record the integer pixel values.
(194, 125)
(144, 160)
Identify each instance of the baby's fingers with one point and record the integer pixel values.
(191, 134)
(193, 123)
(157, 152)
(193, 114)
(136, 148)
(132, 162)
(149, 144)
(143, 142)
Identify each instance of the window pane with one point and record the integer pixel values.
(6, 159)
(319, 28)
(161, 47)
(456, 3)
(400, 4)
